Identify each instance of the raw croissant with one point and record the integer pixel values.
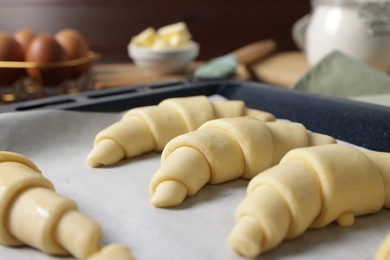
(32, 213)
(222, 150)
(149, 128)
(311, 187)
(383, 252)
(112, 251)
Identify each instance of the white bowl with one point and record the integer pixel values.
(167, 61)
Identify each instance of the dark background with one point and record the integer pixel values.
(220, 26)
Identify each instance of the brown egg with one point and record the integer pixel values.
(42, 49)
(24, 36)
(10, 50)
(75, 46)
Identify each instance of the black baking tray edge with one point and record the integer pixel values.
(362, 124)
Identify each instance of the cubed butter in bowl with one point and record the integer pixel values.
(168, 50)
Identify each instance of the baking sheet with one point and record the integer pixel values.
(117, 198)
(359, 123)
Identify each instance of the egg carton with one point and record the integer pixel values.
(358, 123)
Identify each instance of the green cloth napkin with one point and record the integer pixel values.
(381, 99)
(339, 75)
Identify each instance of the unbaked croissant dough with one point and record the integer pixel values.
(112, 252)
(149, 128)
(32, 213)
(222, 150)
(310, 188)
(383, 252)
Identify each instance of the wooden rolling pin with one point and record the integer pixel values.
(225, 66)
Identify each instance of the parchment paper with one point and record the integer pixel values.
(118, 199)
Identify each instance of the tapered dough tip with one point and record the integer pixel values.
(106, 152)
(315, 139)
(262, 115)
(88, 236)
(383, 252)
(346, 220)
(245, 247)
(168, 194)
(95, 162)
(245, 238)
(112, 251)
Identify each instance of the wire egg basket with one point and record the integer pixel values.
(26, 88)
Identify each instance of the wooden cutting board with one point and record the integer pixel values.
(281, 69)
(127, 74)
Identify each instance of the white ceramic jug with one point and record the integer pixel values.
(358, 28)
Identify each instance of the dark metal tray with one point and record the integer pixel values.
(359, 123)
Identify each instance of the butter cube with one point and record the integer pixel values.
(177, 35)
(160, 44)
(146, 38)
(167, 37)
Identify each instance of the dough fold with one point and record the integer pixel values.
(313, 186)
(224, 149)
(32, 213)
(112, 251)
(149, 128)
